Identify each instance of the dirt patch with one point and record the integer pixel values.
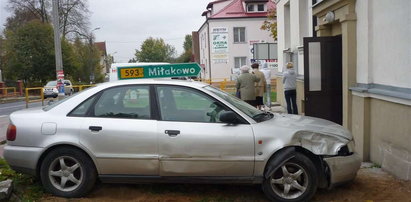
(371, 184)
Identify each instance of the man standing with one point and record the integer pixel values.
(259, 87)
(289, 81)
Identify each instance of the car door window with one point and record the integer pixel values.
(185, 104)
(82, 109)
(124, 102)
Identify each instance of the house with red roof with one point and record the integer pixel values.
(225, 41)
(105, 67)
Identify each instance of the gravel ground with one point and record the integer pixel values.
(371, 184)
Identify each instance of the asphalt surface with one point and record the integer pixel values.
(8, 108)
(5, 110)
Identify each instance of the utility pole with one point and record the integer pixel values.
(57, 48)
(91, 46)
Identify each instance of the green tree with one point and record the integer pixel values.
(271, 23)
(188, 46)
(2, 57)
(188, 43)
(30, 53)
(71, 63)
(155, 50)
(87, 60)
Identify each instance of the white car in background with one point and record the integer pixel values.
(50, 89)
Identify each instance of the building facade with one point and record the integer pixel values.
(105, 67)
(225, 40)
(363, 48)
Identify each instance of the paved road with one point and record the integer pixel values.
(5, 111)
(8, 108)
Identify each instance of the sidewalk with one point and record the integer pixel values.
(277, 108)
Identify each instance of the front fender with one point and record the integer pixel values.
(318, 143)
(279, 159)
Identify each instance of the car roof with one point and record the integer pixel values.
(167, 81)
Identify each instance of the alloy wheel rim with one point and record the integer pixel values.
(65, 173)
(290, 181)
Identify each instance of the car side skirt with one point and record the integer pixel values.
(133, 179)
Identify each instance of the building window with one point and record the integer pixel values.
(250, 8)
(239, 34)
(261, 7)
(239, 61)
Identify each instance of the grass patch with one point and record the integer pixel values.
(24, 186)
(375, 165)
(273, 97)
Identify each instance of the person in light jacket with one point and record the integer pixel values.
(267, 74)
(259, 86)
(289, 81)
(246, 85)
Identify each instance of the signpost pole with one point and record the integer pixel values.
(57, 49)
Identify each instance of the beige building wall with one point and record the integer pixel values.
(376, 76)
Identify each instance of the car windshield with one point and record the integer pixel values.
(54, 104)
(52, 83)
(249, 110)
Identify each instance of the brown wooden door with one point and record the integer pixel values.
(323, 77)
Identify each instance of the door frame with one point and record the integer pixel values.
(331, 81)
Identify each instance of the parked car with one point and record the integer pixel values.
(140, 131)
(50, 89)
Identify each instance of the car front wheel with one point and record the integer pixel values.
(68, 172)
(294, 180)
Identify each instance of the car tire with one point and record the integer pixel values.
(297, 175)
(55, 96)
(68, 172)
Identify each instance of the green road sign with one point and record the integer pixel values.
(159, 71)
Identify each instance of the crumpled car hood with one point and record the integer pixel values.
(312, 124)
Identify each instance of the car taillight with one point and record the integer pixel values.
(11, 132)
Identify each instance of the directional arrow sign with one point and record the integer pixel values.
(159, 71)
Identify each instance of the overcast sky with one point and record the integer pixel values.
(125, 24)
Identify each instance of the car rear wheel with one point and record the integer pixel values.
(68, 172)
(294, 180)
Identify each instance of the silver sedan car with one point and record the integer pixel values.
(164, 130)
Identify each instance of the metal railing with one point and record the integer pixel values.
(5, 91)
(81, 87)
(41, 89)
(36, 100)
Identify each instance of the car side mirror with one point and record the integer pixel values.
(229, 117)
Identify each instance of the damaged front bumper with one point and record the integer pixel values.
(342, 168)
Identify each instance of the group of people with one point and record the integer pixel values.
(252, 86)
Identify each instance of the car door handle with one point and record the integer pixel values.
(95, 128)
(172, 133)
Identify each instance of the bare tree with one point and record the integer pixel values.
(73, 14)
(38, 8)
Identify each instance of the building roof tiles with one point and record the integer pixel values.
(236, 10)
